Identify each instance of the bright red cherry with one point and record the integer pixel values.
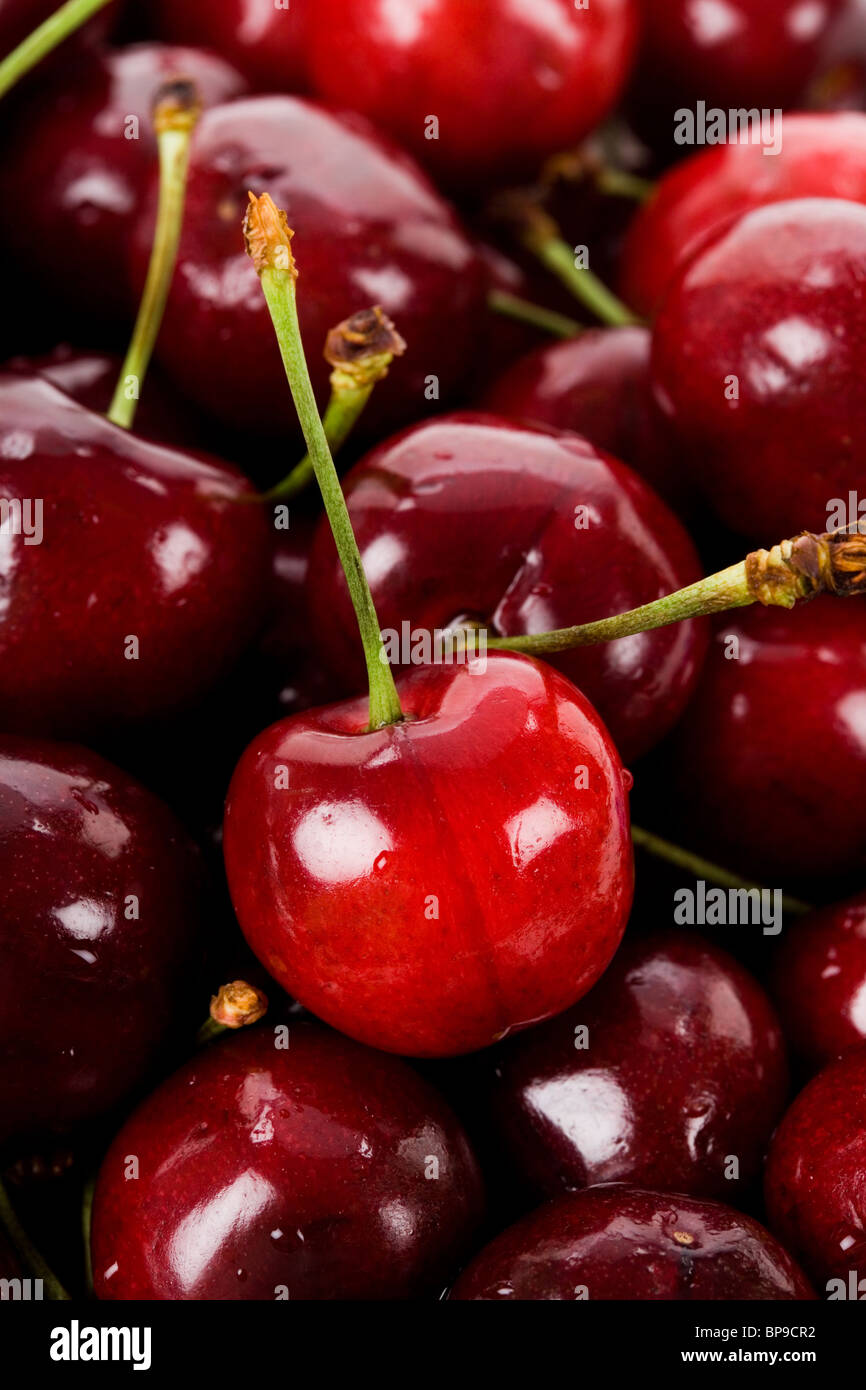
(265, 40)
(770, 758)
(822, 156)
(374, 231)
(671, 1072)
(819, 982)
(619, 1242)
(100, 903)
(438, 883)
(76, 160)
(757, 363)
(816, 1176)
(507, 82)
(526, 529)
(132, 575)
(313, 1170)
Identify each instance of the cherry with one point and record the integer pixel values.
(437, 883)
(266, 41)
(315, 1169)
(819, 982)
(770, 758)
(816, 1198)
(100, 902)
(133, 578)
(507, 84)
(285, 646)
(619, 1242)
(527, 530)
(76, 160)
(822, 156)
(682, 1071)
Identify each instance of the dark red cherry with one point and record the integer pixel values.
(770, 758)
(293, 1167)
(624, 1242)
(671, 1072)
(101, 898)
(286, 648)
(436, 884)
(370, 230)
(822, 156)
(75, 162)
(816, 1177)
(507, 83)
(132, 575)
(527, 530)
(819, 982)
(265, 39)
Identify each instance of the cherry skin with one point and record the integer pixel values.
(285, 647)
(822, 156)
(684, 1067)
(302, 1168)
(770, 758)
(476, 515)
(436, 884)
(265, 41)
(819, 982)
(73, 173)
(145, 583)
(370, 229)
(100, 904)
(775, 306)
(815, 1182)
(625, 1242)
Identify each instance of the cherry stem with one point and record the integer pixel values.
(703, 868)
(175, 113)
(45, 39)
(618, 183)
(86, 1227)
(268, 240)
(832, 563)
(548, 320)
(234, 1006)
(29, 1255)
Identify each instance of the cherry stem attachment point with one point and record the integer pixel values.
(236, 1005)
(45, 39)
(176, 111)
(536, 315)
(704, 869)
(27, 1252)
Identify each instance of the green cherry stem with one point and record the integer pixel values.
(86, 1227)
(175, 113)
(45, 39)
(618, 183)
(29, 1255)
(524, 311)
(703, 868)
(268, 240)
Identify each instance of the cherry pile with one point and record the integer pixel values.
(503, 795)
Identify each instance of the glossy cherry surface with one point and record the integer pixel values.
(819, 982)
(770, 758)
(146, 579)
(266, 41)
(286, 648)
(815, 1181)
(317, 1170)
(76, 160)
(508, 82)
(528, 530)
(681, 1070)
(370, 230)
(100, 903)
(625, 1242)
(436, 884)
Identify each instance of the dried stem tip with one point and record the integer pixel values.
(268, 236)
(833, 563)
(238, 1004)
(176, 106)
(361, 349)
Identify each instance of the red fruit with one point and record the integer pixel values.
(819, 982)
(76, 161)
(758, 362)
(265, 40)
(370, 229)
(770, 758)
(816, 1175)
(623, 1242)
(682, 1071)
(438, 883)
(315, 1170)
(822, 156)
(286, 646)
(100, 903)
(146, 579)
(508, 84)
(528, 530)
